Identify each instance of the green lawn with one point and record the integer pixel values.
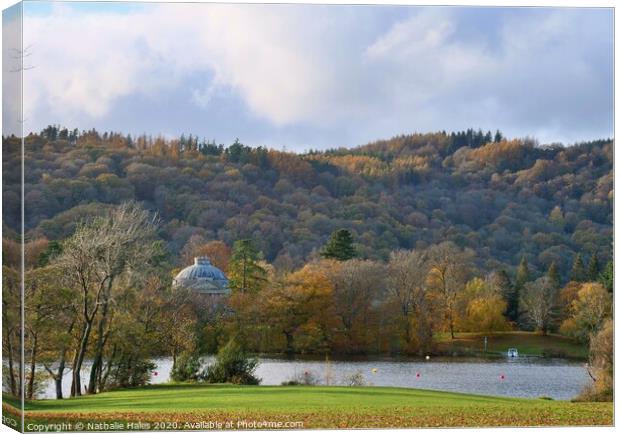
(313, 407)
(528, 343)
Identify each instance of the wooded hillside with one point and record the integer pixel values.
(502, 198)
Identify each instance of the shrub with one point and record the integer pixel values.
(306, 378)
(232, 365)
(186, 368)
(354, 380)
(601, 365)
(128, 372)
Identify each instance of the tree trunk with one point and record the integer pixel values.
(95, 370)
(58, 379)
(76, 385)
(60, 372)
(406, 327)
(290, 350)
(33, 367)
(12, 382)
(103, 377)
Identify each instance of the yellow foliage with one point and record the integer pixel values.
(485, 314)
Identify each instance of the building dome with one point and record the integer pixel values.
(202, 277)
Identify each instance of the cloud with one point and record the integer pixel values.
(355, 73)
(12, 64)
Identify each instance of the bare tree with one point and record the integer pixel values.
(94, 258)
(358, 285)
(406, 283)
(540, 304)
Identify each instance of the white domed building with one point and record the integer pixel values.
(203, 278)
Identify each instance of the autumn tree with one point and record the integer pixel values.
(406, 286)
(217, 251)
(483, 307)
(357, 286)
(588, 312)
(449, 271)
(301, 309)
(601, 364)
(94, 259)
(540, 302)
(12, 330)
(178, 323)
(48, 324)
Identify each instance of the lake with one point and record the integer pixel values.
(526, 377)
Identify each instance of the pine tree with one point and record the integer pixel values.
(523, 273)
(245, 272)
(523, 277)
(607, 277)
(339, 246)
(593, 268)
(553, 275)
(578, 272)
(509, 292)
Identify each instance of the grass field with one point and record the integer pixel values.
(244, 407)
(528, 343)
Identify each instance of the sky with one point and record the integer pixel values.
(305, 77)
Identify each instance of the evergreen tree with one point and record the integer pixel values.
(607, 277)
(245, 272)
(339, 246)
(54, 248)
(578, 272)
(522, 277)
(553, 275)
(523, 273)
(593, 268)
(509, 292)
(498, 136)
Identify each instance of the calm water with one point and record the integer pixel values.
(523, 377)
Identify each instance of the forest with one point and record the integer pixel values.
(504, 199)
(371, 250)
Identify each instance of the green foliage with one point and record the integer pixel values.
(128, 372)
(578, 272)
(607, 277)
(523, 273)
(54, 248)
(553, 275)
(244, 272)
(186, 367)
(593, 268)
(339, 246)
(521, 279)
(232, 365)
(504, 286)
